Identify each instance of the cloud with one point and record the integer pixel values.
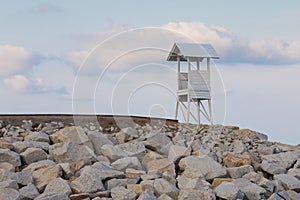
(14, 59)
(44, 8)
(18, 83)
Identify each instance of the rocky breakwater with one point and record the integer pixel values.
(54, 161)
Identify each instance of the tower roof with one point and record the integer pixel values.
(191, 50)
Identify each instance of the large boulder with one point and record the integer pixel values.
(42, 177)
(238, 172)
(289, 182)
(284, 159)
(162, 186)
(227, 190)
(98, 140)
(29, 192)
(272, 168)
(73, 134)
(134, 149)
(201, 167)
(159, 143)
(32, 155)
(113, 152)
(251, 190)
(11, 157)
(71, 152)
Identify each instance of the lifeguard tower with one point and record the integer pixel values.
(194, 84)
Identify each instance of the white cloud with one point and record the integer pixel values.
(76, 57)
(18, 83)
(13, 59)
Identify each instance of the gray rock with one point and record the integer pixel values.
(58, 186)
(67, 170)
(289, 182)
(294, 172)
(275, 196)
(159, 143)
(23, 178)
(127, 162)
(147, 195)
(98, 140)
(201, 167)
(74, 134)
(119, 182)
(185, 183)
(40, 164)
(44, 176)
(87, 182)
(272, 168)
(11, 157)
(134, 149)
(104, 171)
(28, 192)
(227, 190)
(37, 136)
(32, 155)
(52, 197)
(252, 176)
(127, 134)
(71, 152)
(9, 194)
(177, 152)
(113, 152)
(161, 186)
(164, 197)
(268, 185)
(121, 193)
(284, 159)
(238, 146)
(5, 175)
(9, 184)
(238, 172)
(7, 166)
(251, 190)
(20, 147)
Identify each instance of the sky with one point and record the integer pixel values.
(109, 57)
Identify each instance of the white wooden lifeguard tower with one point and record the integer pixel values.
(194, 84)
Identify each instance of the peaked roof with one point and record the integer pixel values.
(192, 50)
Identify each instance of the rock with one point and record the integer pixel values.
(148, 185)
(126, 134)
(133, 173)
(104, 171)
(37, 136)
(161, 186)
(227, 190)
(251, 190)
(42, 177)
(137, 188)
(5, 145)
(252, 176)
(293, 195)
(190, 194)
(58, 186)
(5, 175)
(7, 166)
(32, 155)
(81, 196)
(238, 146)
(236, 161)
(119, 182)
(147, 195)
(121, 193)
(185, 183)
(218, 181)
(201, 167)
(9, 194)
(52, 197)
(9, 184)
(251, 134)
(294, 172)
(74, 134)
(159, 143)
(98, 140)
(11, 157)
(20, 147)
(127, 162)
(150, 156)
(284, 159)
(88, 182)
(275, 196)
(272, 168)
(112, 152)
(29, 192)
(238, 172)
(134, 149)
(164, 197)
(68, 172)
(71, 152)
(23, 178)
(289, 182)
(177, 152)
(38, 165)
(161, 165)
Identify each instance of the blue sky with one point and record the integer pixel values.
(43, 43)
